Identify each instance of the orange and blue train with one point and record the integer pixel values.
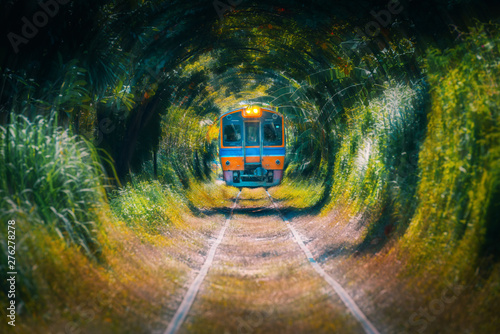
(252, 147)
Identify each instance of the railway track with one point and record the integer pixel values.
(339, 290)
(256, 280)
(182, 311)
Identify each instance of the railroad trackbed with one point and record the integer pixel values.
(259, 277)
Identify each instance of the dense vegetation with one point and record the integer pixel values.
(109, 134)
(423, 171)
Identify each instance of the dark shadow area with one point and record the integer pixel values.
(491, 246)
(335, 250)
(256, 212)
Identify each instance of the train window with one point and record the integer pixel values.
(273, 134)
(252, 133)
(232, 135)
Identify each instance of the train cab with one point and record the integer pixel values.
(252, 147)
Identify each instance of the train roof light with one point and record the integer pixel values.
(252, 112)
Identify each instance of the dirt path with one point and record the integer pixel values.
(261, 282)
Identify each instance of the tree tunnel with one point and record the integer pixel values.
(114, 69)
(109, 113)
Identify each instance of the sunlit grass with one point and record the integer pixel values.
(297, 194)
(211, 194)
(150, 205)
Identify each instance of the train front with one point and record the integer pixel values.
(252, 147)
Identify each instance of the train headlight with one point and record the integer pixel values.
(227, 162)
(278, 162)
(252, 112)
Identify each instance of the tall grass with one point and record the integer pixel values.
(52, 185)
(51, 178)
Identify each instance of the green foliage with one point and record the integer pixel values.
(185, 145)
(459, 161)
(51, 184)
(375, 163)
(120, 97)
(149, 205)
(52, 179)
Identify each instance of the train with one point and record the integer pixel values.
(252, 147)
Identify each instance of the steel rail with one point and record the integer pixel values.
(368, 327)
(183, 310)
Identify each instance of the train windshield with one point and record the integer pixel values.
(252, 133)
(273, 134)
(232, 135)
